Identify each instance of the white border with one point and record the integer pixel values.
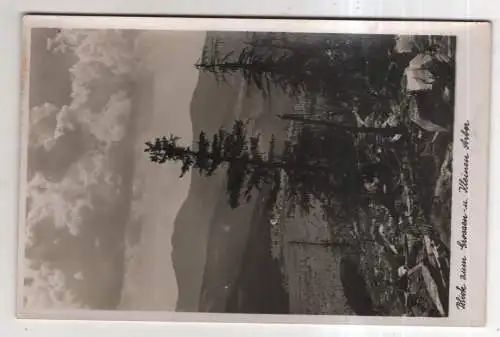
(472, 92)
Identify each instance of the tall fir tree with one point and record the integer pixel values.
(260, 68)
(247, 169)
(315, 168)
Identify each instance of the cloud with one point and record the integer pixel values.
(103, 57)
(111, 48)
(109, 126)
(97, 52)
(62, 202)
(45, 288)
(64, 122)
(78, 276)
(38, 114)
(79, 94)
(42, 125)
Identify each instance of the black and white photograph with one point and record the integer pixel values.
(243, 171)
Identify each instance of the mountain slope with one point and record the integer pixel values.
(189, 240)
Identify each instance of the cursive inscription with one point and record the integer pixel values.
(463, 268)
(464, 225)
(461, 298)
(463, 190)
(463, 182)
(465, 136)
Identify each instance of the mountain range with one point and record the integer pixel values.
(210, 240)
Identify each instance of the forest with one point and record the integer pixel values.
(373, 148)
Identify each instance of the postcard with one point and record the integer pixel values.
(254, 170)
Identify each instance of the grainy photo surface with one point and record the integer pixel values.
(239, 172)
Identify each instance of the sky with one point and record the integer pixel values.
(150, 281)
(101, 80)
